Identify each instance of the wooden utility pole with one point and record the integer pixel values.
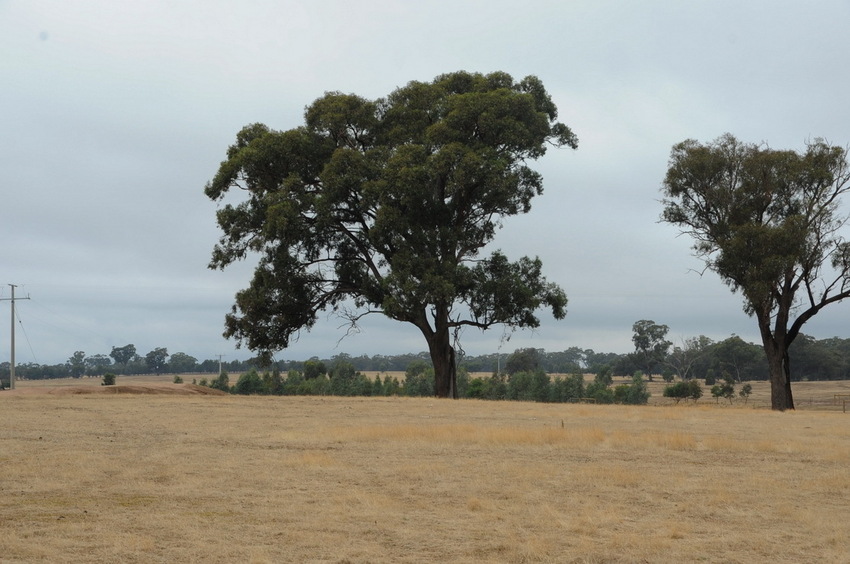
(12, 354)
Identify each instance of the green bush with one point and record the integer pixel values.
(318, 386)
(178, 379)
(725, 390)
(419, 379)
(378, 387)
(462, 381)
(600, 392)
(292, 383)
(604, 376)
(108, 379)
(475, 388)
(249, 383)
(519, 386)
(745, 392)
(345, 381)
(273, 383)
(690, 389)
(392, 387)
(221, 383)
(492, 388)
(634, 393)
(567, 389)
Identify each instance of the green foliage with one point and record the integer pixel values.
(314, 368)
(725, 390)
(493, 388)
(345, 381)
(634, 393)
(97, 364)
(318, 386)
(123, 355)
(717, 392)
(599, 392)
(523, 360)
(221, 383)
(419, 379)
(529, 386)
(181, 363)
(745, 392)
(177, 379)
(292, 383)
(156, 360)
(388, 203)
(650, 345)
(695, 389)
(745, 361)
(273, 383)
(476, 388)
(77, 364)
(690, 389)
(567, 389)
(462, 382)
(377, 387)
(392, 387)
(108, 379)
(604, 376)
(769, 224)
(249, 383)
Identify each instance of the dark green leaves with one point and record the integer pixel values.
(388, 203)
(764, 220)
(504, 292)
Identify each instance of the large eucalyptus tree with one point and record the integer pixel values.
(770, 223)
(385, 205)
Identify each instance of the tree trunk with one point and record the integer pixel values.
(443, 359)
(776, 343)
(786, 364)
(780, 377)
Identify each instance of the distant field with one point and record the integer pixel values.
(105, 477)
(807, 395)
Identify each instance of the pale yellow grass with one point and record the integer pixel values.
(155, 478)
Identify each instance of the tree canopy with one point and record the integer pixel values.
(651, 346)
(384, 206)
(123, 355)
(769, 223)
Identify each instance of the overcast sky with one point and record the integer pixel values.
(114, 115)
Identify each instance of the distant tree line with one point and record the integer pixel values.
(702, 358)
(343, 379)
(694, 358)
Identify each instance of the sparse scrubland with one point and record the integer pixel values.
(108, 476)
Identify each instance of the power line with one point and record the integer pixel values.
(26, 337)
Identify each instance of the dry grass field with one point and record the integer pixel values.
(174, 475)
